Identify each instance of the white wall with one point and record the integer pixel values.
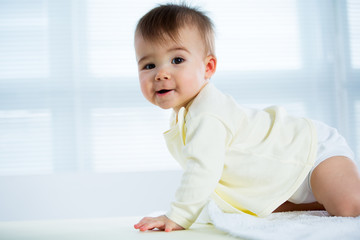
(86, 195)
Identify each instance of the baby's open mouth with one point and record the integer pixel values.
(162, 91)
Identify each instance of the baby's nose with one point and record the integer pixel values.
(162, 75)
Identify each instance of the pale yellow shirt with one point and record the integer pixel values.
(246, 160)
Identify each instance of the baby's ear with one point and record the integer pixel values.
(210, 66)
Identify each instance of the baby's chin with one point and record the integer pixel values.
(164, 107)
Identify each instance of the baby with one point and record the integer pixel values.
(245, 160)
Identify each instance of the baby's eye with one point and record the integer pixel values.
(149, 66)
(177, 60)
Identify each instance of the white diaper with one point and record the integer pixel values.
(330, 143)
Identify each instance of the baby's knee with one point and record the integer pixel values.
(348, 207)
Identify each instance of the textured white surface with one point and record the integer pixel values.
(288, 225)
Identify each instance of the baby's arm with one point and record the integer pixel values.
(162, 223)
(203, 155)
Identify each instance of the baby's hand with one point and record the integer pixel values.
(162, 223)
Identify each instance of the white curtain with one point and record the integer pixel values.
(70, 100)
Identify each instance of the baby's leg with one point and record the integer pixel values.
(336, 184)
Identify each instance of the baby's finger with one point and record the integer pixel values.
(152, 225)
(142, 222)
(137, 226)
(169, 226)
(148, 226)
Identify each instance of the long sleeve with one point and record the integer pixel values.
(203, 155)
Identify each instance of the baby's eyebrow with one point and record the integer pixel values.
(169, 50)
(178, 48)
(143, 59)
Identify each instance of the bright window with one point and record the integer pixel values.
(70, 99)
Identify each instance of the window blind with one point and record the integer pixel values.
(353, 10)
(70, 99)
(353, 74)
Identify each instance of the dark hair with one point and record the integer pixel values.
(166, 20)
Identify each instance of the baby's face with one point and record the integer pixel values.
(172, 74)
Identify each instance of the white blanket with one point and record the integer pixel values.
(287, 225)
